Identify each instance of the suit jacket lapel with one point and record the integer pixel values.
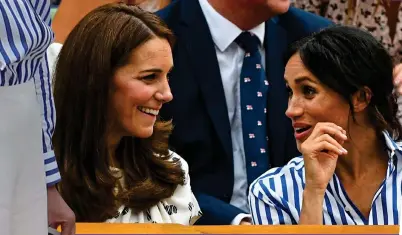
(202, 56)
(276, 46)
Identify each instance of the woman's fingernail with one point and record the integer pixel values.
(344, 150)
(344, 136)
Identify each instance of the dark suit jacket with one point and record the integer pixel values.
(201, 132)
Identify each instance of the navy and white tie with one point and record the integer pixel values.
(253, 99)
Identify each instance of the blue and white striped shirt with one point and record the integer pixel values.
(276, 196)
(25, 34)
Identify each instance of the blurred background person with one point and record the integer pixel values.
(150, 5)
(69, 12)
(382, 18)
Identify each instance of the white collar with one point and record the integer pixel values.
(394, 148)
(222, 30)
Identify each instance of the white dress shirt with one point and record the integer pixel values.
(230, 58)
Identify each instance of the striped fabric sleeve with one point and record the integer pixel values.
(267, 207)
(45, 97)
(25, 35)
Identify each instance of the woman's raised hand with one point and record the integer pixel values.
(320, 152)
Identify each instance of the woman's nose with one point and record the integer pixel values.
(294, 109)
(165, 95)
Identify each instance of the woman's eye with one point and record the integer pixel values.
(149, 77)
(309, 91)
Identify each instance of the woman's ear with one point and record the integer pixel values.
(361, 99)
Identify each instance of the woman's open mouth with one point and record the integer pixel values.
(302, 132)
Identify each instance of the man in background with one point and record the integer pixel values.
(230, 97)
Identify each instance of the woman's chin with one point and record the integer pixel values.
(142, 132)
(298, 144)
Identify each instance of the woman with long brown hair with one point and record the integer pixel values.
(111, 80)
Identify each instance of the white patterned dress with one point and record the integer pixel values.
(181, 208)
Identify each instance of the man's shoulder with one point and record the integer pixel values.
(299, 23)
(170, 13)
(301, 17)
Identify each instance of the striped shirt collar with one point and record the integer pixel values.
(335, 190)
(393, 147)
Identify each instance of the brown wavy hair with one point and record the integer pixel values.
(101, 43)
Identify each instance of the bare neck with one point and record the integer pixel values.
(240, 14)
(367, 156)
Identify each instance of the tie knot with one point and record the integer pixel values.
(248, 41)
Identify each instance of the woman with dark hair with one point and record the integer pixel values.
(111, 80)
(382, 18)
(344, 116)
